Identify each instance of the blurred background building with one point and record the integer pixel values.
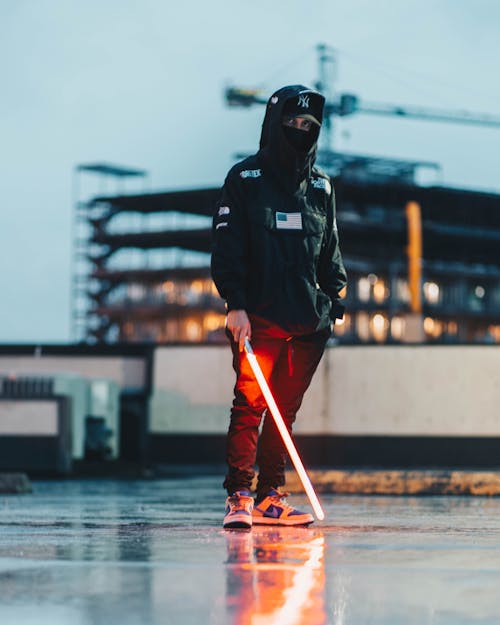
(146, 273)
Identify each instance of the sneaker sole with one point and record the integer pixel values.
(271, 521)
(238, 520)
(233, 525)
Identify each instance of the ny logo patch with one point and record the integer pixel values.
(304, 101)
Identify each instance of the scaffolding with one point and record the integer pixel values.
(88, 180)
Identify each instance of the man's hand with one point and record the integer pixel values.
(238, 324)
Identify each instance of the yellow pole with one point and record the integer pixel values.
(414, 251)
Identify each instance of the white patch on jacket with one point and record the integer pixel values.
(251, 173)
(322, 183)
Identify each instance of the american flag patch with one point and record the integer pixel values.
(289, 221)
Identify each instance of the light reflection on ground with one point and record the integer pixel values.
(276, 576)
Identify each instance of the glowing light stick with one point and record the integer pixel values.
(280, 424)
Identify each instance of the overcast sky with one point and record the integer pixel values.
(139, 83)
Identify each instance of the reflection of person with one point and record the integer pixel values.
(276, 576)
(277, 263)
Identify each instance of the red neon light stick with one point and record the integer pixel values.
(280, 424)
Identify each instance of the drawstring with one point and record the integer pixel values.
(290, 356)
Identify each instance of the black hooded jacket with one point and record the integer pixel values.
(275, 246)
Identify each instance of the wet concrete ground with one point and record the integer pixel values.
(154, 552)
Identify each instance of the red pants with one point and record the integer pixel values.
(288, 366)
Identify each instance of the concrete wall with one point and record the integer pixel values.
(372, 390)
(129, 372)
(192, 390)
(439, 390)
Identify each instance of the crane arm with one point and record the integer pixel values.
(430, 114)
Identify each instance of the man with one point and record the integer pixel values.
(277, 263)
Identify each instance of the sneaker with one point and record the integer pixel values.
(239, 508)
(273, 510)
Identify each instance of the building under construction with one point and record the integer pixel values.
(422, 262)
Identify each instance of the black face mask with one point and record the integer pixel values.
(301, 140)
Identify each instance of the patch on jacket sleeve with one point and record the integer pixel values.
(222, 217)
(322, 183)
(251, 173)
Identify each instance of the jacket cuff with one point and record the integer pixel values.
(337, 311)
(236, 301)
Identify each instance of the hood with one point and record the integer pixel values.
(290, 153)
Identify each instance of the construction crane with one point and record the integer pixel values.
(346, 104)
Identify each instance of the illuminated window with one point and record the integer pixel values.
(168, 287)
(213, 322)
(379, 326)
(431, 292)
(397, 328)
(380, 291)
(495, 333)
(438, 328)
(433, 327)
(197, 286)
(364, 289)
(428, 325)
(193, 330)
